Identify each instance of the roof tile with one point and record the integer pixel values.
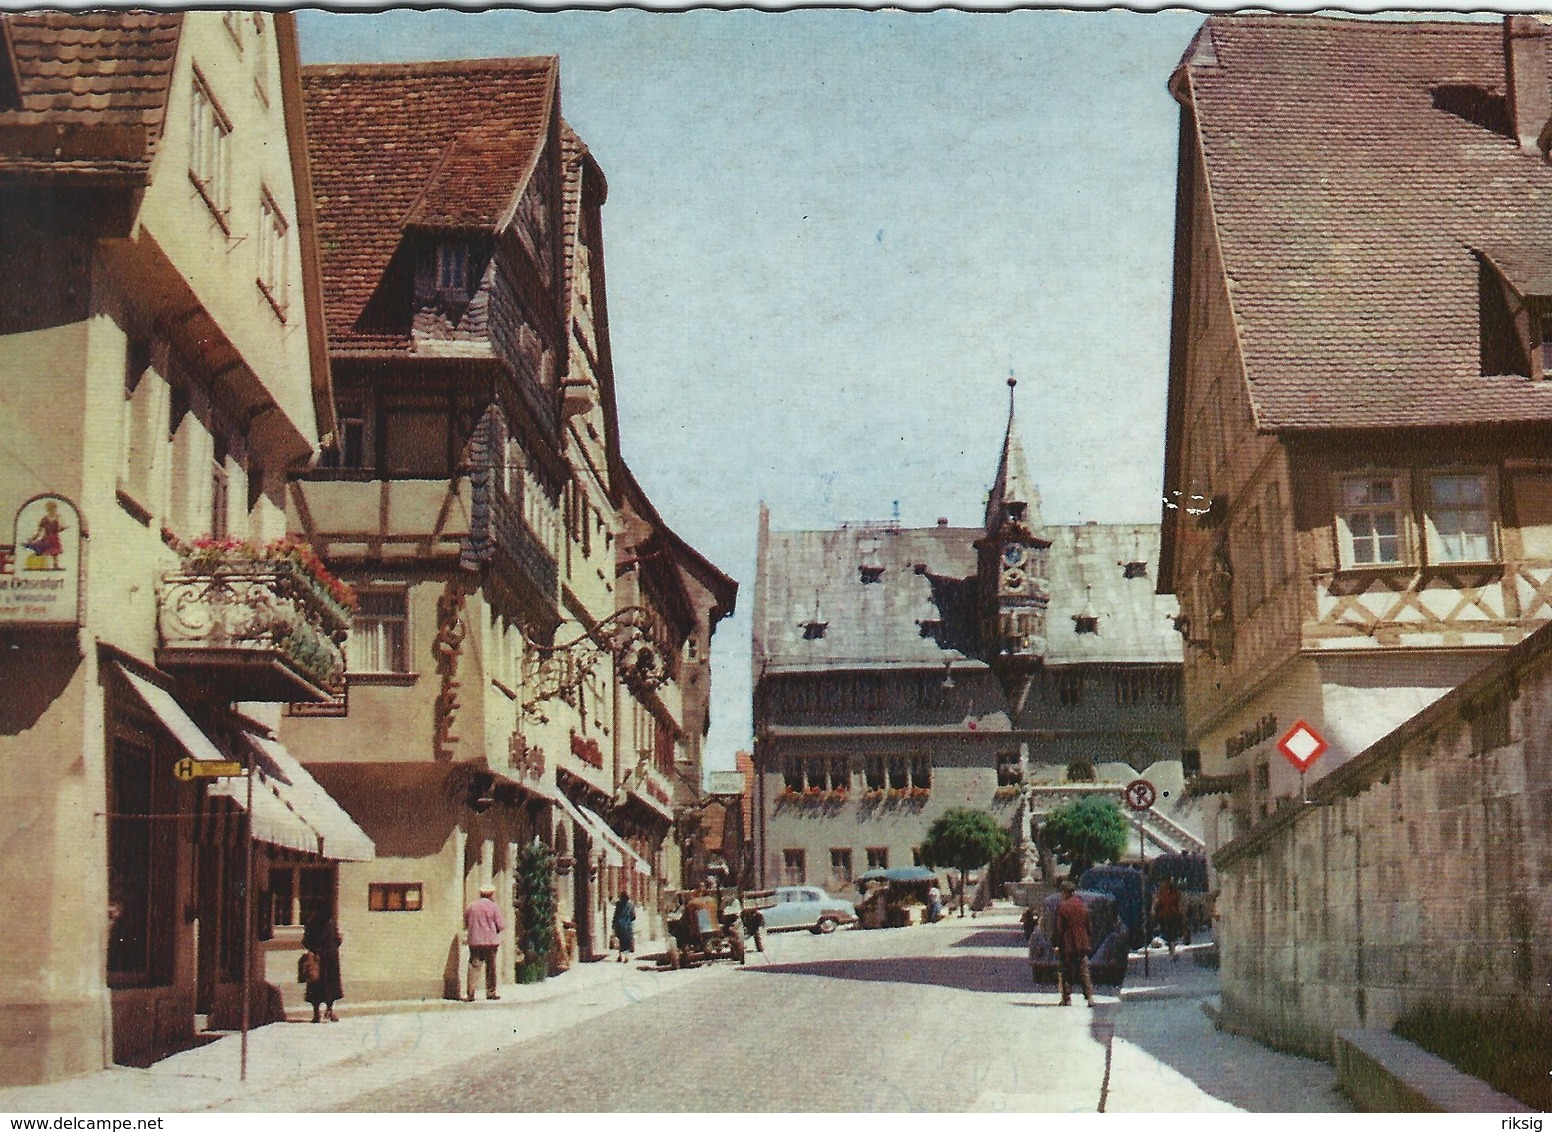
(1349, 209)
(104, 71)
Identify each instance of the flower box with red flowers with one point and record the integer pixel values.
(258, 621)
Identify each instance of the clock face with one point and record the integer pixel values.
(1013, 554)
(1014, 580)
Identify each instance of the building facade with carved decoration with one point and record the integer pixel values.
(164, 371)
(877, 706)
(1358, 509)
(477, 499)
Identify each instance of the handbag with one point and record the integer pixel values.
(308, 968)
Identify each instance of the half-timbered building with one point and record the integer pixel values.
(1358, 509)
(476, 496)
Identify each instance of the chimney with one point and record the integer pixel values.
(1525, 72)
(942, 522)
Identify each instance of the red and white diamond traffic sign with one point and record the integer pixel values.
(1302, 745)
(1140, 794)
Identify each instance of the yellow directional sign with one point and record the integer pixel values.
(185, 769)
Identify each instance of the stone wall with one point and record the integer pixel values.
(1419, 872)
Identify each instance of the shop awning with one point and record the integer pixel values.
(273, 821)
(172, 716)
(334, 835)
(290, 809)
(606, 831)
(612, 855)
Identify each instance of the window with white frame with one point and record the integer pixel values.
(1373, 520)
(379, 632)
(840, 866)
(272, 253)
(209, 152)
(1460, 522)
(794, 866)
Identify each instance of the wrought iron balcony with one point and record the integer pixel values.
(255, 623)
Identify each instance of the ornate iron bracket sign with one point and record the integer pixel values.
(558, 671)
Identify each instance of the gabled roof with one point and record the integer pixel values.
(806, 576)
(1350, 190)
(435, 145)
(90, 91)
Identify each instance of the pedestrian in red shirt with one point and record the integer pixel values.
(485, 925)
(1072, 944)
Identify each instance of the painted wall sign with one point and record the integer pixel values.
(40, 574)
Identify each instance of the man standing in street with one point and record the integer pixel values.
(485, 925)
(1072, 944)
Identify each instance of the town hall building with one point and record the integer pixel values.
(875, 707)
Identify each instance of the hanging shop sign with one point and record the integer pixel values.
(40, 573)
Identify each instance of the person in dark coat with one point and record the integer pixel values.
(1072, 944)
(1167, 913)
(624, 925)
(321, 936)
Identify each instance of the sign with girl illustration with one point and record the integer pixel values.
(40, 573)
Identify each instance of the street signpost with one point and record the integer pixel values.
(247, 948)
(1301, 746)
(1140, 796)
(186, 769)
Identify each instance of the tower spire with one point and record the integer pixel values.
(1014, 496)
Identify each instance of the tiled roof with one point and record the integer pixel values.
(433, 144)
(92, 90)
(879, 624)
(1349, 209)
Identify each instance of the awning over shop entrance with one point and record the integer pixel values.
(615, 848)
(606, 831)
(290, 809)
(612, 855)
(172, 716)
(284, 794)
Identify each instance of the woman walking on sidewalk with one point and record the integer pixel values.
(321, 937)
(624, 925)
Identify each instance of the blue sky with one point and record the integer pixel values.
(831, 234)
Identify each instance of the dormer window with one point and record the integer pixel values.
(452, 268)
(870, 574)
(1085, 623)
(814, 630)
(1134, 569)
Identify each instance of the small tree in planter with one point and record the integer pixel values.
(536, 910)
(964, 839)
(1085, 831)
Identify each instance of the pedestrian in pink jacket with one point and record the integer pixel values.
(485, 925)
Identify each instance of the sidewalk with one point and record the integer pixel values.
(296, 1066)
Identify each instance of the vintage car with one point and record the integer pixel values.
(707, 924)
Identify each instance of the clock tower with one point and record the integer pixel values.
(1012, 556)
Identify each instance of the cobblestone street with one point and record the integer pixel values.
(941, 1017)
